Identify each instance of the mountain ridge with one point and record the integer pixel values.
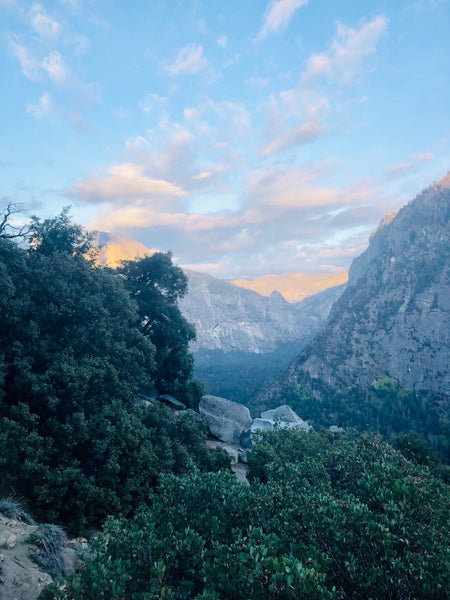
(393, 317)
(294, 287)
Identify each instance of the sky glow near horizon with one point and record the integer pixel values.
(246, 137)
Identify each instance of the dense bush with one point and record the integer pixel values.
(386, 406)
(321, 519)
(73, 357)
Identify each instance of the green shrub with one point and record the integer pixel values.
(321, 519)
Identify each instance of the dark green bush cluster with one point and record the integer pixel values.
(75, 349)
(385, 406)
(321, 519)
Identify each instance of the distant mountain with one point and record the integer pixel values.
(116, 247)
(393, 318)
(243, 338)
(293, 286)
(230, 318)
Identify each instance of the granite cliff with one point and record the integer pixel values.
(230, 318)
(393, 318)
(293, 286)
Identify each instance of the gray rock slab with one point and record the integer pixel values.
(226, 419)
(282, 413)
(172, 401)
(231, 449)
(257, 426)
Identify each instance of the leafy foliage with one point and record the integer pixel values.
(385, 406)
(156, 285)
(72, 361)
(322, 518)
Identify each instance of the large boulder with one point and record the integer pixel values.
(226, 419)
(282, 417)
(256, 427)
(285, 417)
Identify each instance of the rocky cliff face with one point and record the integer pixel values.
(293, 286)
(116, 247)
(230, 318)
(393, 318)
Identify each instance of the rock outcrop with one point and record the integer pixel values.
(393, 318)
(22, 574)
(294, 287)
(232, 424)
(117, 247)
(226, 419)
(282, 417)
(231, 318)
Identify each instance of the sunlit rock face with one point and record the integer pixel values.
(294, 287)
(393, 318)
(116, 247)
(231, 318)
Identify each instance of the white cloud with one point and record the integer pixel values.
(305, 133)
(121, 113)
(289, 187)
(55, 67)
(53, 64)
(278, 15)
(43, 108)
(257, 82)
(233, 115)
(28, 62)
(222, 41)
(122, 183)
(189, 60)
(342, 62)
(203, 175)
(43, 25)
(295, 117)
(74, 5)
(152, 102)
(140, 215)
(81, 43)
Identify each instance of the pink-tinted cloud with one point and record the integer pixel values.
(303, 134)
(408, 166)
(122, 183)
(343, 62)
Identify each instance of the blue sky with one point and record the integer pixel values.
(248, 137)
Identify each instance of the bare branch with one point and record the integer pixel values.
(8, 231)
